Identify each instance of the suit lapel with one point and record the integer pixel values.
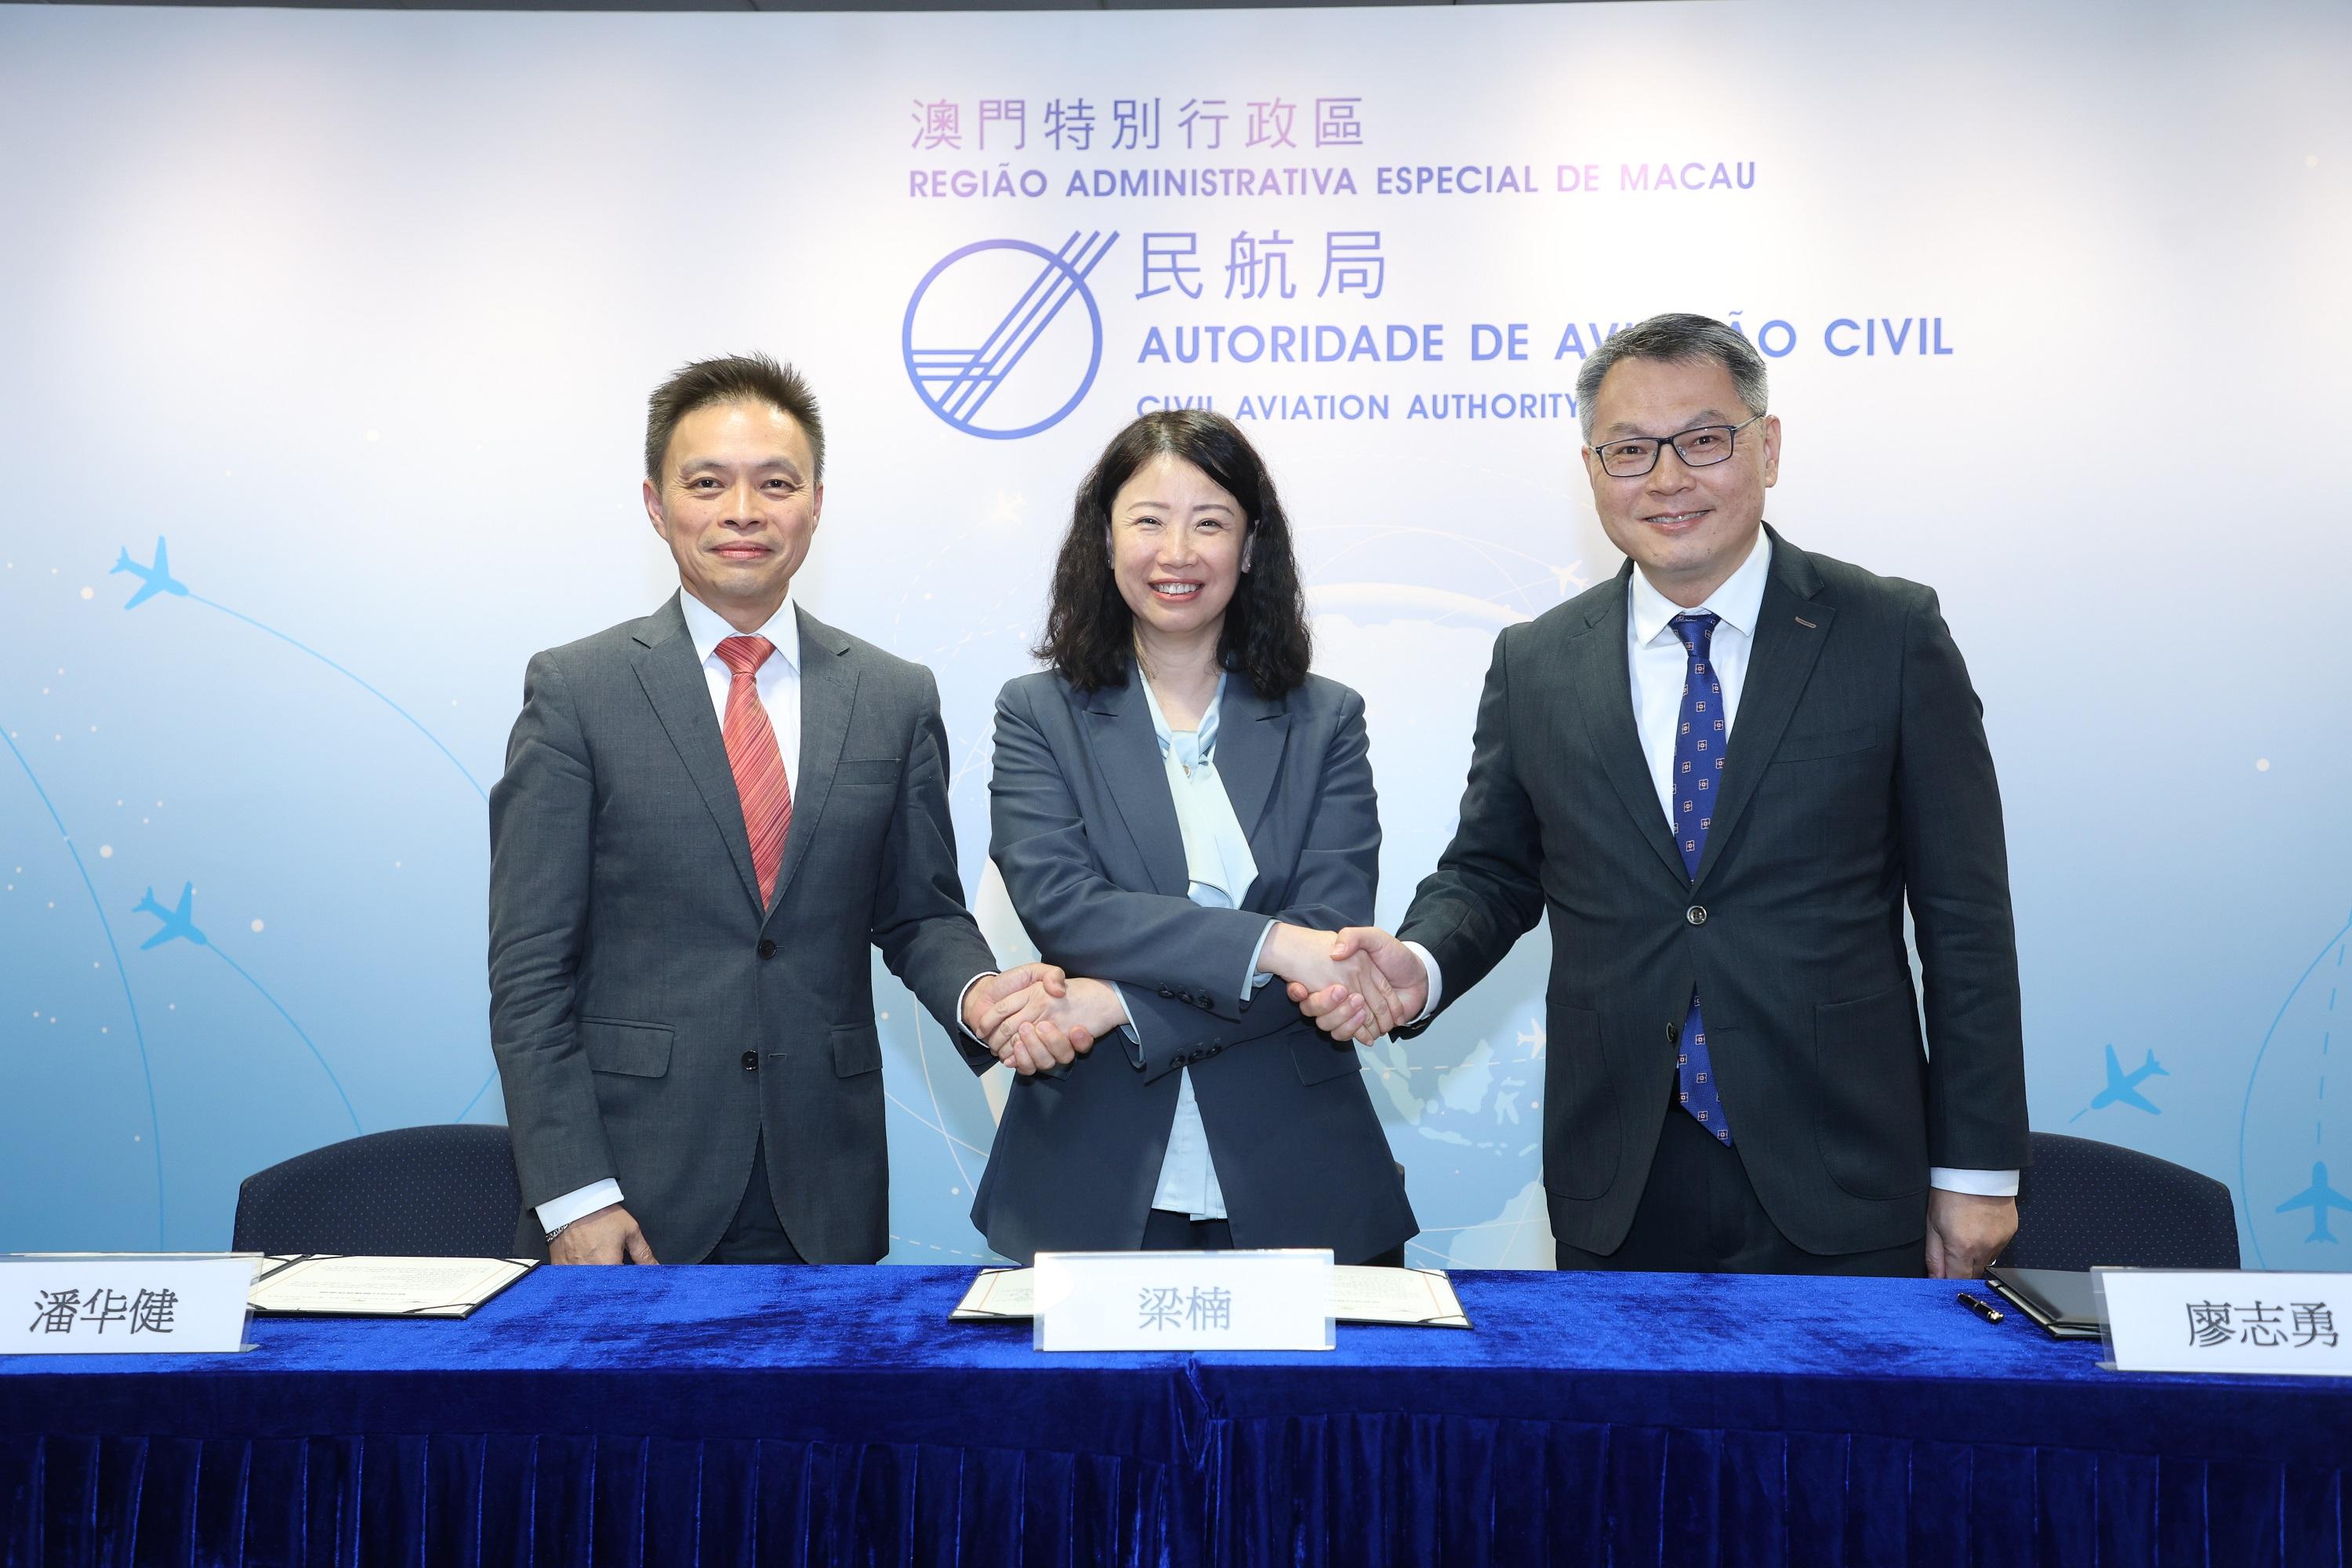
(828, 695)
(1119, 733)
(674, 683)
(1791, 628)
(1602, 682)
(1251, 733)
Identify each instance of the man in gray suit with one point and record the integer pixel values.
(1724, 772)
(679, 995)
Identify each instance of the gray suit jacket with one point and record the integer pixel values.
(1085, 836)
(649, 1018)
(1858, 778)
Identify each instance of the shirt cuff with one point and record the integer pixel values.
(983, 975)
(1979, 1184)
(578, 1204)
(1256, 976)
(1127, 1028)
(1436, 983)
(1126, 1022)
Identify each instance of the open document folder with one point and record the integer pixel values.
(1410, 1298)
(328, 1285)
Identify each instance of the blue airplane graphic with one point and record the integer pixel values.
(2318, 1197)
(2122, 1088)
(177, 922)
(153, 580)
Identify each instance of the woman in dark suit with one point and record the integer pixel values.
(1180, 810)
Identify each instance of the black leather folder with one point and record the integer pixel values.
(2061, 1299)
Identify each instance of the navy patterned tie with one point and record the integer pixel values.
(1698, 778)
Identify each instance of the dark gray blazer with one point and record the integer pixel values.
(1084, 834)
(648, 1016)
(1858, 777)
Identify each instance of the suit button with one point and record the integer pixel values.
(1674, 1033)
(1165, 992)
(767, 948)
(1695, 914)
(751, 1061)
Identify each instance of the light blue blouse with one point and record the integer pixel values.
(1219, 868)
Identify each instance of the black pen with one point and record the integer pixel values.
(1982, 1308)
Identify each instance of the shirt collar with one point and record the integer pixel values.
(708, 629)
(1737, 603)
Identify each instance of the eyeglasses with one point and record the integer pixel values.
(1637, 455)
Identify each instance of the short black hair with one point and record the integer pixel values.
(1089, 631)
(1677, 338)
(737, 378)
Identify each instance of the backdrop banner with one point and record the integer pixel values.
(322, 382)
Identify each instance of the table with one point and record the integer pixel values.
(716, 1416)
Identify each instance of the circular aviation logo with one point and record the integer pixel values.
(1002, 338)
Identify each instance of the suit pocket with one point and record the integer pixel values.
(1826, 744)
(1581, 1144)
(1869, 1094)
(1317, 1057)
(856, 1048)
(616, 1044)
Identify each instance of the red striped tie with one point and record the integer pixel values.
(757, 765)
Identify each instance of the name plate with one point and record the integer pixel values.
(2179, 1320)
(1272, 1300)
(115, 1303)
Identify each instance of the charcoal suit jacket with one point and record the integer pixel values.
(1858, 779)
(650, 1018)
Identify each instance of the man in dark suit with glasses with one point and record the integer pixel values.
(1725, 773)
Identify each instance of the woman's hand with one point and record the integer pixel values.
(1332, 1009)
(1302, 955)
(1055, 1032)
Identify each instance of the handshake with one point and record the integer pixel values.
(1357, 985)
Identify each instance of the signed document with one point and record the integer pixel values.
(1411, 1298)
(381, 1286)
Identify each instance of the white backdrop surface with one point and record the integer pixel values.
(354, 313)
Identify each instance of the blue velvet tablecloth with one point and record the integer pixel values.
(655, 1415)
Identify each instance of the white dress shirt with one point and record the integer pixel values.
(1659, 662)
(779, 681)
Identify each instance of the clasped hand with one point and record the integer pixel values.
(1357, 984)
(1376, 984)
(1032, 1017)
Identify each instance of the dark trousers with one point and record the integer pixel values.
(1699, 1215)
(757, 1233)
(1165, 1230)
